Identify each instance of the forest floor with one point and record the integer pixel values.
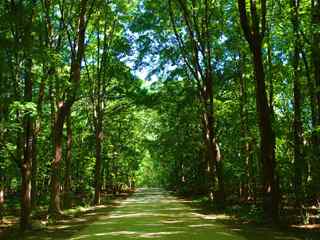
(154, 213)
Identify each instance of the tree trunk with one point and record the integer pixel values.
(3, 118)
(219, 173)
(264, 110)
(245, 146)
(34, 173)
(199, 37)
(63, 110)
(98, 121)
(27, 159)
(97, 187)
(67, 175)
(267, 140)
(36, 131)
(209, 158)
(214, 165)
(1, 198)
(315, 22)
(297, 124)
(315, 26)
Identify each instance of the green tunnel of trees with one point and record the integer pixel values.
(213, 98)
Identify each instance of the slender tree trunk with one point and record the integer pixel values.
(220, 177)
(67, 175)
(214, 166)
(297, 124)
(19, 136)
(98, 121)
(64, 107)
(27, 159)
(3, 118)
(98, 101)
(208, 156)
(1, 198)
(36, 131)
(245, 151)
(210, 165)
(34, 173)
(98, 137)
(312, 140)
(264, 111)
(63, 110)
(267, 140)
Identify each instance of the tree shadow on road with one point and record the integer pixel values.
(251, 230)
(67, 225)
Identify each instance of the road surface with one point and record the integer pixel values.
(155, 214)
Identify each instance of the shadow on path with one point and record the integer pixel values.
(154, 213)
(67, 226)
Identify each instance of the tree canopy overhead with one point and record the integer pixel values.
(213, 98)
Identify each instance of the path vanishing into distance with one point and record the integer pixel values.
(156, 214)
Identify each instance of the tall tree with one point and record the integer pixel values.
(196, 51)
(99, 73)
(28, 121)
(65, 104)
(68, 158)
(254, 31)
(246, 188)
(297, 123)
(315, 85)
(26, 166)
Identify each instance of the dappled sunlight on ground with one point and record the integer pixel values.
(154, 214)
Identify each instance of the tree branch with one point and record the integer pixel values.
(244, 21)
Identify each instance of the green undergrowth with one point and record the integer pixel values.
(249, 217)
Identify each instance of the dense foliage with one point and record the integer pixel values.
(229, 109)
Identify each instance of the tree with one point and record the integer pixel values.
(254, 34)
(65, 104)
(297, 123)
(315, 84)
(196, 52)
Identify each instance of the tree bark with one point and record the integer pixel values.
(315, 22)
(1, 198)
(246, 190)
(34, 172)
(297, 123)
(98, 93)
(3, 118)
(63, 109)
(315, 49)
(26, 165)
(55, 207)
(36, 131)
(214, 162)
(264, 111)
(199, 36)
(267, 140)
(98, 137)
(67, 176)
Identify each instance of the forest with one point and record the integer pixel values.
(210, 100)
